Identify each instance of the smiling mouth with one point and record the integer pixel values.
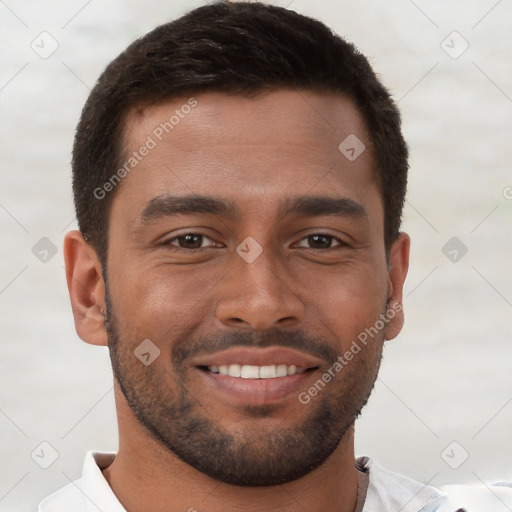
(246, 371)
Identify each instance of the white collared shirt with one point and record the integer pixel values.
(387, 492)
(91, 493)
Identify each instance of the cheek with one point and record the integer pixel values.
(161, 299)
(162, 302)
(345, 304)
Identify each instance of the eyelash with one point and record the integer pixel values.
(341, 244)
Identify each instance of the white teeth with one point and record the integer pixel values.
(282, 371)
(267, 372)
(234, 370)
(248, 371)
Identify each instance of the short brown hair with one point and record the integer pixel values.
(236, 48)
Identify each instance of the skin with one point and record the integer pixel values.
(256, 152)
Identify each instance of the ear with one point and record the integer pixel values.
(86, 288)
(397, 271)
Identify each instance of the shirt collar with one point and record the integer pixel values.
(90, 493)
(97, 491)
(387, 491)
(390, 492)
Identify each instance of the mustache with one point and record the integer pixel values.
(296, 340)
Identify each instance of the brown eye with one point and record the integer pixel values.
(189, 241)
(321, 241)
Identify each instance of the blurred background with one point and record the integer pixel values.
(442, 408)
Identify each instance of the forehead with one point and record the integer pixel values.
(284, 118)
(271, 109)
(253, 150)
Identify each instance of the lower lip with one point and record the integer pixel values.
(257, 391)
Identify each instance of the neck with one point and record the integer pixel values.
(146, 476)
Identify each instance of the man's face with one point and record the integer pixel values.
(262, 285)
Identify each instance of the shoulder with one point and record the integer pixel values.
(68, 498)
(478, 497)
(389, 491)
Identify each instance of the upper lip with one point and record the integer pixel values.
(259, 357)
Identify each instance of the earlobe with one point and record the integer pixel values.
(86, 288)
(397, 272)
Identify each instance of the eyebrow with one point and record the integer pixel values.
(307, 206)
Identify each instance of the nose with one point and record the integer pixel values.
(259, 294)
